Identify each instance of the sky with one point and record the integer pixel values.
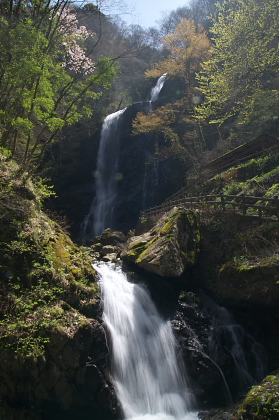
(147, 12)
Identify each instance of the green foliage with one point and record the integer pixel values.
(187, 47)
(262, 401)
(40, 94)
(43, 275)
(241, 79)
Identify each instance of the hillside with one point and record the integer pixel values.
(52, 348)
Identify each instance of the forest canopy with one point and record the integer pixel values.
(61, 63)
(47, 78)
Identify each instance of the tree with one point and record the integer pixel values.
(241, 81)
(187, 46)
(47, 80)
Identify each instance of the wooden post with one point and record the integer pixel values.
(223, 205)
(243, 204)
(260, 216)
(276, 205)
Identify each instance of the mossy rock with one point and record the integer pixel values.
(252, 282)
(170, 247)
(262, 401)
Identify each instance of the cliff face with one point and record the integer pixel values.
(53, 348)
(145, 179)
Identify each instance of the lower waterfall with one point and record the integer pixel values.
(149, 378)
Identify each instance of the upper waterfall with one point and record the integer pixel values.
(158, 87)
(100, 215)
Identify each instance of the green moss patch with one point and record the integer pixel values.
(262, 402)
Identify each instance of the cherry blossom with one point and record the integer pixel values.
(76, 59)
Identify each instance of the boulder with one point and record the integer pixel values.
(110, 237)
(110, 257)
(107, 249)
(249, 283)
(262, 400)
(170, 247)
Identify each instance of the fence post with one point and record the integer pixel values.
(276, 204)
(223, 205)
(243, 204)
(260, 216)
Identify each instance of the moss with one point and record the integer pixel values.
(135, 249)
(262, 402)
(41, 269)
(146, 250)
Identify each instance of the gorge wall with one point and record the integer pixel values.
(145, 178)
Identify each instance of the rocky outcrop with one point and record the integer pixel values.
(250, 283)
(108, 246)
(53, 349)
(68, 378)
(170, 247)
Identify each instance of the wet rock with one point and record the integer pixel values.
(216, 415)
(110, 237)
(110, 257)
(104, 397)
(107, 249)
(99, 348)
(97, 247)
(83, 337)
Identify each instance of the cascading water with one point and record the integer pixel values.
(150, 184)
(149, 379)
(151, 170)
(157, 89)
(227, 334)
(100, 215)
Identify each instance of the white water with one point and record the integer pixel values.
(157, 89)
(149, 379)
(106, 178)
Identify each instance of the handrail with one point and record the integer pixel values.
(215, 171)
(220, 201)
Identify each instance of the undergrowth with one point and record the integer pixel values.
(45, 278)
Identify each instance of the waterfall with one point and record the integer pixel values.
(101, 212)
(100, 215)
(150, 184)
(227, 334)
(149, 378)
(157, 89)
